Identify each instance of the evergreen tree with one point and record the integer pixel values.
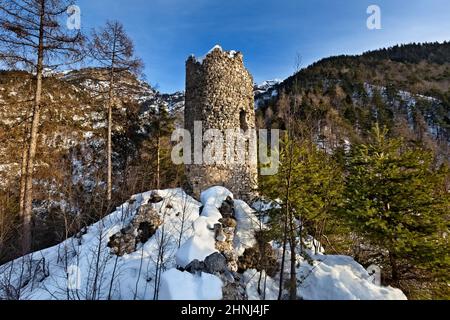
(309, 184)
(397, 202)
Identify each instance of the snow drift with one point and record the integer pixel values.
(84, 267)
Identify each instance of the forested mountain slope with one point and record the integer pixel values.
(405, 88)
(70, 170)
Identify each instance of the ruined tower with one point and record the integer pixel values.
(219, 93)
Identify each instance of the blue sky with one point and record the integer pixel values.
(269, 33)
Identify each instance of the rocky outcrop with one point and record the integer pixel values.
(140, 230)
(224, 232)
(227, 208)
(261, 257)
(214, 264)
(224, 263)
(235, 290)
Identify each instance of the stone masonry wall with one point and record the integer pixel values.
(219, 93)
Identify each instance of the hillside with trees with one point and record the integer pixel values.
(364, 178)
(404, 88)
(377, 124)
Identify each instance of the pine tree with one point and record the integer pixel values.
(309, 184)
(399, 203)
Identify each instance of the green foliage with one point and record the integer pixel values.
(398, 202)
(395, 201)
(419, 69)
(309, 181)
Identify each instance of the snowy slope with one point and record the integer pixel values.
(88, 259)
(83, 267)
(330, 278)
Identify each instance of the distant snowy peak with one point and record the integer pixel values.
(266, 91)
(265, 85)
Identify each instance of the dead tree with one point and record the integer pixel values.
(34, 37)
(113, 50)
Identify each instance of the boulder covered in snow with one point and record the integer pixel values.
(198, 247)
(177, 285)
(215, 196)
(341, 278)
(203, 243)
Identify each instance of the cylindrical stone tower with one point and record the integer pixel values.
(219, 93)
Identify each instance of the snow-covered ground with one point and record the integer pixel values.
(329, 278)
(83, 267)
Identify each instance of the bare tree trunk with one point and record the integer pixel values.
(23, 172)
(110, 111)
(158, 162)
(109, 153)
(111, 47)
(97, 276)
(394, 269)
(259, 283)
(285, 237)
(287, 214)
(262, 264)
(160, 261)
(139, 274)
(183, 222)
(111, 283)
(109, 144)
(293, 279)
(23, 167)
(28, 194)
